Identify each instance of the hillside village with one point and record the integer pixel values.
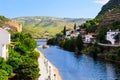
(99, 37)
(90, 37)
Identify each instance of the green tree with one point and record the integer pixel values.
(75, 27)
(5, 66)
(79, 42)
(64, 31)
(23, 57)
(34, 55)
(102, 35)
(24, 43)
(115, 25)
(3, 75)
(28, 68)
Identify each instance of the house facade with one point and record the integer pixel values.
(4, 40)
(74, 34)
(111, 36)
(68, 33)
(89, 38)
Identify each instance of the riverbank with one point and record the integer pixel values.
(47, 70)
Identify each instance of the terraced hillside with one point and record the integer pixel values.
(110, 18)
(39, 25)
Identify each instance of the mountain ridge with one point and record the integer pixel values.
(38, 25)
(109, 6)
(47, 20)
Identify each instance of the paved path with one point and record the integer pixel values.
(109, 45)
(47, 70)
(101, 44)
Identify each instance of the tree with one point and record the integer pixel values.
(5, 66)
(24, 43)
(28, 68)
(34, 55)
(14, 62)
(102, 35)
(23, 57)
(79, 42)
(3, 75)
(64, 31)
(75, 27)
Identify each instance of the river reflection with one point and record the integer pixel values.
(82, 68)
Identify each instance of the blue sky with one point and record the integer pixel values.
(56, 8)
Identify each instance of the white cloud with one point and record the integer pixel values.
(101, 1)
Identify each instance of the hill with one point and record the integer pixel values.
(111, 20)
(3, 20)
(37, 25)
(43, 21)
(108, 18)
(109, 6)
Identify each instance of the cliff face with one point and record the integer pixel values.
(13, 26)
(109, 6)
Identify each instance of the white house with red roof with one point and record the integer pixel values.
(89, 38)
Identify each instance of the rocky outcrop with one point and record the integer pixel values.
(12, 25)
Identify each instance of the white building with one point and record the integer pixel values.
(89, 38)
(111, 36)
(4, 40)
(68, 33)
(78, 28)
(74, 34)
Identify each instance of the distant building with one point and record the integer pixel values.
(111, 36)
(89, 38)
(74, 33)
(12, 25)
(4, 40)
(78, 28)
(68, 33)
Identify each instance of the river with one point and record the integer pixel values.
(80, 68)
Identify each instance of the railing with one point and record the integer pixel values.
(112, 45)
(101, 44)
